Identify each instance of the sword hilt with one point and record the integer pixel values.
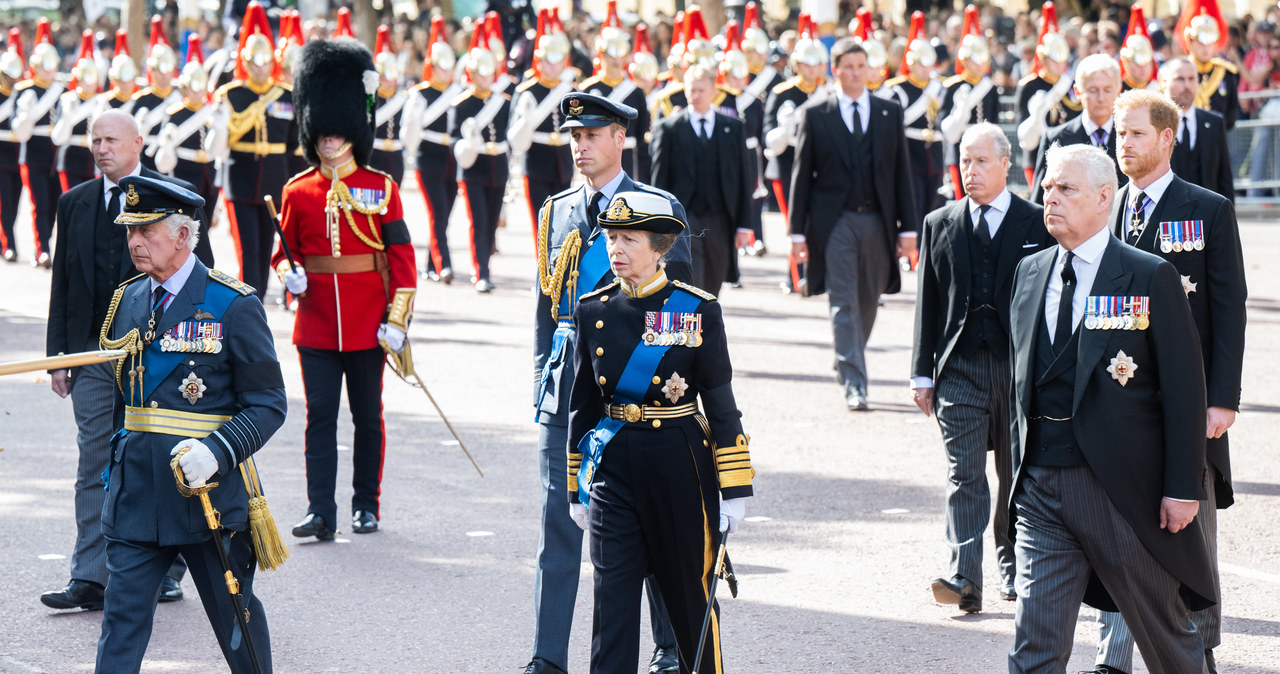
(211, 516)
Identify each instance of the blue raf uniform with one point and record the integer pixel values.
(202, 369)
(569, 239)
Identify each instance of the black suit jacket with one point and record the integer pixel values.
(943, 294)
(1143, 440)
(1218, 301)
(72, 292)
(1071, 133)
(673, 145)
(1211, 153)
(820, 181)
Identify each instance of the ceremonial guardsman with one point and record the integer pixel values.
(970, 96)
(32, 125)
(179, 147)
(122, 76)
(355, 278)
(201, 384)
(254, 133)
(76, 110)
(572, 260)
(288, 48)
(650, 476)
(152, 103)
(644, 71)
(613, 53)
(1203, 33)
(1045, 97)
(478, 126)
(12, 67)
(425, 133)
(536, 120)
(756, 45)
(1137, 57)
(877, 57)
(675, 53)
(735, 74)
(698, 50)
(388, 149)
(1201, 155)
(919, 93)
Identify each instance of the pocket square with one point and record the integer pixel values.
(1029, 245)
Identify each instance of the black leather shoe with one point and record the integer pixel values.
(540, 666)
(77, 594)
(10, 255)
(1007, 593)
(960, 591)
(170, 591)
(665, 660)
(1210, 662)
(1105, 669)
(313, 525)
(364, 522)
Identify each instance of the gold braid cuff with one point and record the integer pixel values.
(401, 309)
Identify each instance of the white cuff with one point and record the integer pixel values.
(797, 238)
(921, 382)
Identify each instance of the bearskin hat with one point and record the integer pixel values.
(333, 92)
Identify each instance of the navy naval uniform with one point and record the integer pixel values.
(38, 158)
(636, 160)
(435, 166)
(388, 150)
(654, 496)
(921, 103)
(485, 183)
(10, 176)
(231, 398)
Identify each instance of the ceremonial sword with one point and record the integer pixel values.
(61, 361)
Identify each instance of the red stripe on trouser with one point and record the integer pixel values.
(35, 227)
(471, 220)
(533, 217)
(62, 180)
(1030, 173)
(433, 243)
(956, 185)
(782, 205)
(235, 231)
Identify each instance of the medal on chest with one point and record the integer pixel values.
(667, 328)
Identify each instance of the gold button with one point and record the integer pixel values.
(154, 404)
(602, 381)
(657, 380)
(604, 298)
(705, 443)
(599, 324)
(599, 351)
(657, 403)
(657, 423)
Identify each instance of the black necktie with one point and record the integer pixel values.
(706, 135)
(857, 124)
(1184, 138)
(593, 208)
(113, 205)
(1100, 138)
(984, 232)
(158, 296)
(1063, 332)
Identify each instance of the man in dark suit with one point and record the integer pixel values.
(1200, 154)
(91, 260)
(1155, 210)
(968, 251)
(852, 210)
(700, 156)
(1108, 452)
(1097, 85)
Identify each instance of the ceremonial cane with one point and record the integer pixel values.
(711, 600)
(275, 220)
(214, 519)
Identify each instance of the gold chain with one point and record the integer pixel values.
(552, 284)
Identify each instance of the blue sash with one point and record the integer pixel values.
(160, 364)
(592, 267)
(632, 385)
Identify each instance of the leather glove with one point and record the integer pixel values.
(198, 464)
(296, 281)
(579, 514)
(731, 513)
(393, 336)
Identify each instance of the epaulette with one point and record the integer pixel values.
(130, 281)
(221, 92)
(420, 86)
(563, 194)
(230, 282)
(587, 83)
(952, 81)
(139, 93)
(786, 84)
(894, 81)
(1027, 80)
(526, 85)
(24, 84)
(175, 108)
(465, 95)
(597, 291)
(1223, 63)
(693, 289)
(301, 175)
(530, 75)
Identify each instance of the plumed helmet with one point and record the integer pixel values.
(43, 54)
(754, 39)
(332, 96)
(644, 65)
(11, 62)
(160, 56)
(122, 69)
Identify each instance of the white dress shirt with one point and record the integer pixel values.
(1090, 128)
(698, 120)
(863, 101)
(1155, 192)
(174, 283)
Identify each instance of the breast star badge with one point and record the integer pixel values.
(675, 387)
(192, 388)
(1187, 286)
(1122, 368)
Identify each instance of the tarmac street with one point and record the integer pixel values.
(844, 534)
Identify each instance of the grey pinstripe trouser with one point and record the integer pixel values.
(92, 396)
(1067, 526)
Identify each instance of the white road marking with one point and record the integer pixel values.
(1249, 573)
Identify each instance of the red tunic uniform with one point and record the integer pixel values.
(341, 311)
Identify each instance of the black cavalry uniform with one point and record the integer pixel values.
(75, 159)
(157, 103)
(10, 175)
(38, 158)
(194, 164)
(548, 163)
(436, 169)
(635, 157)
(388, 150)
(1219, 89)
(790, 94)
(1062, 111)
(484, 183)
(921, 102)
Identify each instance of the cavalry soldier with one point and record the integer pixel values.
(920, 93)
(12, 67)
(32, 125)
(1203, 33)
(179, 147)
(1045, 97)
(644, 72)
(569, 241)
(201, 384)
(1137, 57)
(735, 74)
(254, 134)
(388, 150)
(492, 39)
(288, 48)
(970, 96)
(877, 57)
(425, 133)
(535, 118)
(152, 102)
(478, 126)
(343, 224)
(675, 53)
(613, 53)
(122, 75)
(698, 50)
(756, 45)
(76, 110)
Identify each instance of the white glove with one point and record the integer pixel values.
(295, 281)
(579, 514)
(731, 512)
(198, 464)
(393, 336)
